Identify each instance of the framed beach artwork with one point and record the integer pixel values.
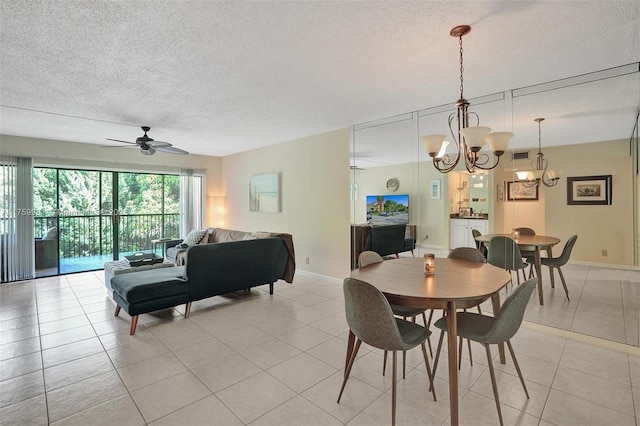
(264, 193)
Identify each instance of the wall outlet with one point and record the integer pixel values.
(307, 260)
(604, 253)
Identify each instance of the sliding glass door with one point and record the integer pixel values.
(85, 218)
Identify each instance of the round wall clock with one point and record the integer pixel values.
(393, 184)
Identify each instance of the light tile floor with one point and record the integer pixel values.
(255, 359)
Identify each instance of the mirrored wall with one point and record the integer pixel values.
(590, 129)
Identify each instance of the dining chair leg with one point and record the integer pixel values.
(460, 346)
(515, 363)
(393, 388)
(564, 284)
(424, 318)
(404, 364)
(552, 277)
(429, 374)
(348, 371)
(384, 363)
(493, 382)
(435, 361)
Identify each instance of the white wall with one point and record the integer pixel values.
(314, 178)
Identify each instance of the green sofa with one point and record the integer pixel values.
(210, 270)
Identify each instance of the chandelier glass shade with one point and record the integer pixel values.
(540, 172)
(468, 140)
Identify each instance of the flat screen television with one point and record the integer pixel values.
(388, 209)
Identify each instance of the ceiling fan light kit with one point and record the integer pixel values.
(147, 145)
(468, 140)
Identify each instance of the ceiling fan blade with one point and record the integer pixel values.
(158, 144)
(119, 146)
(118, 140)
(171, 150)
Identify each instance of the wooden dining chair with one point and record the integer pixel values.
(368, 257)
(492, 331)
(372, 321)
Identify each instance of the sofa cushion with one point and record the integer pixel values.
(260, 234)
(221, 235)
(194, 237)
(148, 285)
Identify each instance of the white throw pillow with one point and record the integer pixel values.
(194, 237)
(249, 237)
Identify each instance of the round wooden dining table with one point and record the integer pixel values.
(533, 243)
(456, 284)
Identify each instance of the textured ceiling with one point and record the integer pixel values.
(217, 78)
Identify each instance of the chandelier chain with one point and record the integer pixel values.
(539, 137)
(461, 71)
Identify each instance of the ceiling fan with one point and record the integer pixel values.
(148, 146)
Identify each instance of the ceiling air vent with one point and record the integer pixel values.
(520, 155)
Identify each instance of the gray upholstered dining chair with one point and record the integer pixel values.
(480, 246)
(527, 253)
(504, 253)
(371, 320)
(492, 331)
(369, 257)
(467, 253)
(557, 262)
(475, 255)
(526, 231)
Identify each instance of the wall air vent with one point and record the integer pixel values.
(520, 155)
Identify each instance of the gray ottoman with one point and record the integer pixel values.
(118, 267)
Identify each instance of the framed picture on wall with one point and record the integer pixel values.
(516, 191)
(500, 191)
(435, 189)
(589, 190)
(264, 193)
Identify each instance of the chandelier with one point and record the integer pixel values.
(540, 173)
(469, 140)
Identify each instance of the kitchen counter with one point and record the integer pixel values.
(482, 216)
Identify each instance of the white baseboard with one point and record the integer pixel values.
(319, 276)
(605, 265)
(432, 247)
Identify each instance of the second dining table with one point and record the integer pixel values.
(534, 243)
(456, 284)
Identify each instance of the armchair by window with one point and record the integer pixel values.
(46, 249)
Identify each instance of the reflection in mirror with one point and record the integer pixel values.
(591, 129)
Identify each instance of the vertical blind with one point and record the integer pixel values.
(16, 219)
(191, 201)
